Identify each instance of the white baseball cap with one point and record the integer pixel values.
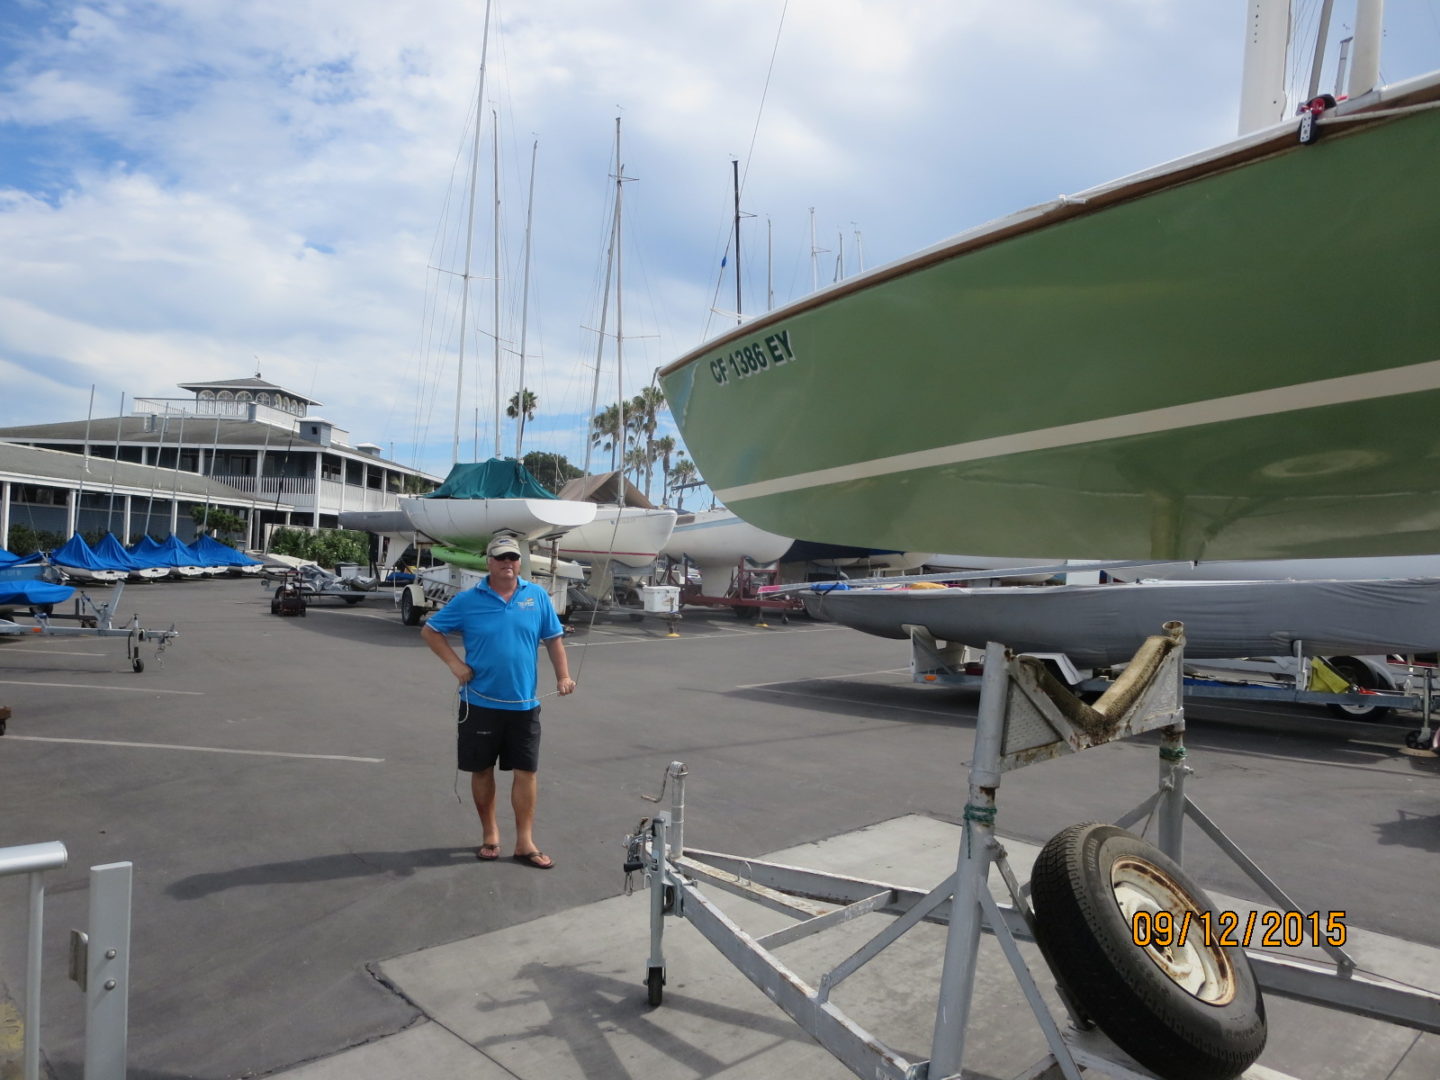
(502, 545)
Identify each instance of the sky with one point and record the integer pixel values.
(196, 190)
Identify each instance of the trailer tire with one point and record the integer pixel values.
(1357, 674)
(410, 613)
(655, 986)
(746, 612)
(352, 600)
(1192, 1012)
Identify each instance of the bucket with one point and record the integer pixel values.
(660, 599)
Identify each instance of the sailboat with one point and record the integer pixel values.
(1229, 356)
(481, 499)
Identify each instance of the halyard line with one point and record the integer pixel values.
(198, 749)
(92, 686)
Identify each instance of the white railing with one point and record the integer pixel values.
(99, 959)
(330, 496)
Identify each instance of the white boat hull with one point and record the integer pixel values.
(631, 536)
(716, 540)
(470, 523)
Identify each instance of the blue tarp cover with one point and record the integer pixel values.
(76, 552)
(34, 592)
(110, 552)
(10, 559)
(493, 479)
(171, 552)
(214, 553)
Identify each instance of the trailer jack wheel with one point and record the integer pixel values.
(138, 665)
(655, 985)
(1190, 1010)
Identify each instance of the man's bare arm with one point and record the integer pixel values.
(440, 646)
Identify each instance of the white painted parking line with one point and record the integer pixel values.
(63, 652)
(196, 749)
(690, 637)
(765, 689)
(93, 686)
(824, 678)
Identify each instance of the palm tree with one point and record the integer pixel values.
(637, 461)
(643, 416)
(683, 473)
(664, 447)
(513, 409)
(605, 432)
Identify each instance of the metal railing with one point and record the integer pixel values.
(99, 958)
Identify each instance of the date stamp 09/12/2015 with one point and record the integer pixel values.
(1265, 929)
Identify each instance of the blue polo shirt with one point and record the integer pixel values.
(501, 639)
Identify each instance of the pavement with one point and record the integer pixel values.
(563, 997)
(307, 901)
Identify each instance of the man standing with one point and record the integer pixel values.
(502, 621)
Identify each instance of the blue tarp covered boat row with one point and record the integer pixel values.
(213, 553)
(77, 553)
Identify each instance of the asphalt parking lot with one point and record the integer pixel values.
(285, 790)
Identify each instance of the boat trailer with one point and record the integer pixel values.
(1026, 716)
(95, 620)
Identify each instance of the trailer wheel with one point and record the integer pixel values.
(352, 600)
(1190, 1011)
(655, 985)
(1357, 674)
(746, 612)
(1419, 740)
(138, 665)
(409, 610)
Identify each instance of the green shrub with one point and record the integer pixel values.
(327, 547)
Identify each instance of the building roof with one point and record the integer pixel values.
(198, 431)
(26, 464)
(252, 384)
(605, 488)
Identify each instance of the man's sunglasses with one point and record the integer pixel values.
(508, 556)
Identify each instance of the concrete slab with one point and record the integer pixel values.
(562, 996)
(423, 1052)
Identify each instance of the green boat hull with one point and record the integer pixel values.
(1238, 360)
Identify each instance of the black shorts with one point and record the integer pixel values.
(510, 735)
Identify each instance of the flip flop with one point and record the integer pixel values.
(487, 852)
(537, 859)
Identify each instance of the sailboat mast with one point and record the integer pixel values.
(1322, 37)
(1365, 59)
(619, 307)
(525, 301)
(469, 237)
(119, 423)
(604, 311)
(814, 255)
(769, 263)
(735, 184)
(495, 139)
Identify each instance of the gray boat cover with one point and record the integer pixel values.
(1096, 625)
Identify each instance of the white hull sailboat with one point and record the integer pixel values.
(631, 536)
(715, 541)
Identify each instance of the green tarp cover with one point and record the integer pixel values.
(493, 479)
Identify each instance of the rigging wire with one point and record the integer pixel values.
(745, 173)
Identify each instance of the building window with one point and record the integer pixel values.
(224, 395)
(263, 398)
(243, 395)
(207, 395)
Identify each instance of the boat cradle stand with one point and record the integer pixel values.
(1020, 723)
